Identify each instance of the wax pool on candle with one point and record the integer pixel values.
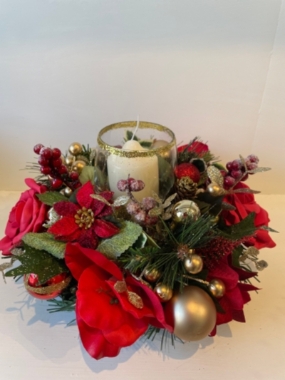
(143, 168)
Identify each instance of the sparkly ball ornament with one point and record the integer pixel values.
(192, 314)
(78, 166)
(193, 264)
(184, 211)
(151, 275)
(217, 288)
(187, 170)
(215, 190)
(164, 292)
(75, 149)
(50, 289)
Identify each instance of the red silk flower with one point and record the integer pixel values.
(245, 204)
(106, 318)
(197, 147)
(82, 222)
(27, 215)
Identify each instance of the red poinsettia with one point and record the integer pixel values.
(244, 204)
(197, 147)
(236, 294)
(83, 221)
(112, 310)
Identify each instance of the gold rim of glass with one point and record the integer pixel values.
(132, 153)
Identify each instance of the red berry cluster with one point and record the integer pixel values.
(51, 165)
(238, 170)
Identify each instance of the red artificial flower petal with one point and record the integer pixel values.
(88, 239)
(104, 229)
(83, 195)
(65, 208)
(94, 342)
(65, 228)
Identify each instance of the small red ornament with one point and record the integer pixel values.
(50, 289)
(187, 170)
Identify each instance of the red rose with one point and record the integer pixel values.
(197, 147)
(106, 318)
(245, 204)
(27, 215)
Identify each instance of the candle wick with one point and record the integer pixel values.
(137, 126)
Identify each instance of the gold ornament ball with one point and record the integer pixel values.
(215, 190)
(192, 313)
(69, 160)
(193, 264)
(78, 166)
(151, 275)
(217, 288)
(75, 148)
(67, 191)
(163, 291)
(185, 210)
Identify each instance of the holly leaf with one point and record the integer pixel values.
(41, 263)
(240, 230)
(51, 197)
(45, 241)
(116, 245)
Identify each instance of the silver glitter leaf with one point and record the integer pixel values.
(245, 190)
(261, 264)
(100, 198)
(156, 211)
(215, 175)
(168, 200)
(258, 170)
(122, 200)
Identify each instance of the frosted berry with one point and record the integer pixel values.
(37, 148)
(43, 161)
(46, 152)
(136, 185)
(45, 170)
(56, 183)
(236, 174)
(229, 181)
(253, 158)
(56, 153)
(236, 165)
(122, 185)
(251, 165)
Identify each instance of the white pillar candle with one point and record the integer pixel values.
(140, 168)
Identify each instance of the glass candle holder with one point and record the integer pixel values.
(149, 156)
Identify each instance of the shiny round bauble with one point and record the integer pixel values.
(163, 291)
(193, 264)
(50, 289)
(215, 190)
(75, 148)
(186, 169)
(185, 211)
(67, 191)
(192, 313)
(78, 166)
(217, 288)
(214, 220)
(69, 160)
(151, 275)
(191, 251)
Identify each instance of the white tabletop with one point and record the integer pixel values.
(37, 345)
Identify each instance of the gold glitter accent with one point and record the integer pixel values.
(133, 298)
(134, 153)
(120, 286)
(215, 175)
(43, 290)
(84, 218)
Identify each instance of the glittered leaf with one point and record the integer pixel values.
(258, 170)
(87, 174)
(119, 243)
(122, 200)
(51, 197)
(120, 286)
(41, 263)
(100, 198)
(245, 190)
(45, 241)
(215, 175)
(168, 200)
(135, 300)
(155, 211)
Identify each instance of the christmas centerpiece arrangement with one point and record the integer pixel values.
(138, 237)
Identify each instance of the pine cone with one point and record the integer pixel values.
(185, 188)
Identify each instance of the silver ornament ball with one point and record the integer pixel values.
(185, 210)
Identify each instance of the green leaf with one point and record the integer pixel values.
(45, 241)
(166, 176)
(41, 263)
(51, 197)
(119, 243)
(87, 174)
(146, 143)
(240, 230)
